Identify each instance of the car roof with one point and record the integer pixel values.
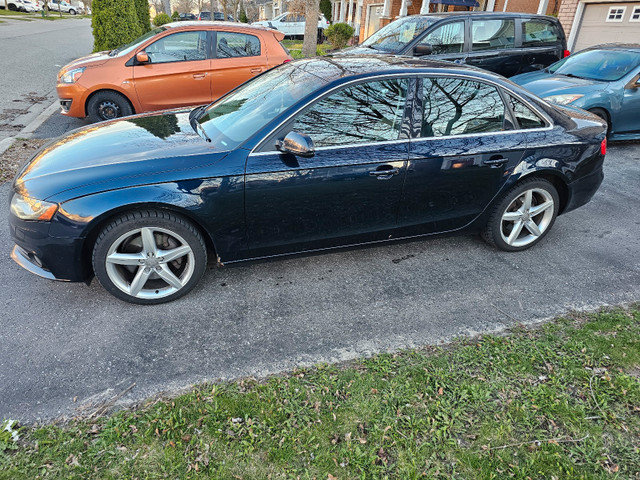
(337, 67)
(444, 15)
(615, 46)
(206, 23)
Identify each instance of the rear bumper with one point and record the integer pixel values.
(582, 190)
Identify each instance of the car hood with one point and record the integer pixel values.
(546, 84)
(138, 150)
(93, 60)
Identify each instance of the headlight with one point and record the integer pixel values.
(563, 99)
(72, 75)
(28, 208)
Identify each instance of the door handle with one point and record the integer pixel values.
(384, 172)
(496, 161)
(199, 75)
(256, 70)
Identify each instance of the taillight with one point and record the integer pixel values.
(566, 53)
(286, 60)
(603, 147)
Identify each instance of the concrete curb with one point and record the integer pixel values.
(27, 131)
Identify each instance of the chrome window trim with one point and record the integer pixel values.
(535, 109)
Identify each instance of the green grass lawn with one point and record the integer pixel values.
(295, 48)
(561, 401)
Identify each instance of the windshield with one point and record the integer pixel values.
(397, 35)
(600, 65)
(233, 119)
(125, 49)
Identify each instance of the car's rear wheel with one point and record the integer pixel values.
(523, 216)
(107, 105)
(149, 257)
(72, 11)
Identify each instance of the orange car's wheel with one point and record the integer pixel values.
(107, 105)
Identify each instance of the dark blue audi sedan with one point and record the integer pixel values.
(311, 155)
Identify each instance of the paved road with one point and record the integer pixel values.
(31, 53)
(60, 340)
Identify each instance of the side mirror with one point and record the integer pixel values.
(297, 144)
(422, 49)
(142, 57)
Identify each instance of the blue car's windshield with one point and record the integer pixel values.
(600, 65)
(234, 118)
(397, 35)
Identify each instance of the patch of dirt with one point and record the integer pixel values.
(20, 152)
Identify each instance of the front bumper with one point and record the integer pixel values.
(74, 95)
(47, 256)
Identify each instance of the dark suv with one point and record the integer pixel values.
(505, 43)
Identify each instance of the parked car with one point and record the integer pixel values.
(171, 66)
(292, 25)
(313, 154)
(504, 43)
(204, 16)
(217, 16)
(22, 6)
(187, 16)
(62, 6)
(604, 79)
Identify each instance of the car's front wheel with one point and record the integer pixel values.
(107, 105)
(523, 216)
(72, 11)
(149, 257)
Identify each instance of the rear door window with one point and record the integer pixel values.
(539, 32)
(525, 117)
(492, 34)
(452, 106)
(229, 45)
(448, 38)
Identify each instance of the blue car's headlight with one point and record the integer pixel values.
(563, 99)
(27, 208)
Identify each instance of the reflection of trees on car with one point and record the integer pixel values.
(161, 126)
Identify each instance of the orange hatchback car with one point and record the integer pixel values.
(175, 65)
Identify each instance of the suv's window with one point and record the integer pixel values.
(492, 34)
(526, 117)
(237, 45)
(456, 107)
(448, 38)
(293, 18)
(366, 112)
(179, 47)
(395, 36)
(539, 32)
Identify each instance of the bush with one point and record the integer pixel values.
(175, 16)
(144, 18)
(339, 34)
(114, 23)
(161, 19)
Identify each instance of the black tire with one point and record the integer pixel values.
(510, 214)
(604, 116)
(72, 11)
(132, 258)
(107, 105)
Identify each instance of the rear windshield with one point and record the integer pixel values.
(600, 65)
(397, 35)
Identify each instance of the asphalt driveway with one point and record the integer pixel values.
(60, 341)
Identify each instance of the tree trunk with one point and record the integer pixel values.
(167, 7)
(311, 10)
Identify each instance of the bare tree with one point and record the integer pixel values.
(230, 6)
(251, 9)
(185, 5)
(158, 6)
(167, 6)
(312, 9)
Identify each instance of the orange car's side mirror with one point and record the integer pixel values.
(142, 57)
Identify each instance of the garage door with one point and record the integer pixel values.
(608, 23)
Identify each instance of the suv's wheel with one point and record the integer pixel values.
(523, 216)
(108, 105)
(149, 257)
(72, 11)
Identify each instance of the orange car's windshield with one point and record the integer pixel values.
(125, 49)
(234, 118)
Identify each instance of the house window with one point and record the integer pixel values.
(616, 14)
(635, 15)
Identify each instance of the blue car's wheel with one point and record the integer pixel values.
(149, 257)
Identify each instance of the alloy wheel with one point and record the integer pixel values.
(150, 263)
(527, 217)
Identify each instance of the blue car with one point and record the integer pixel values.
(604, 79)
